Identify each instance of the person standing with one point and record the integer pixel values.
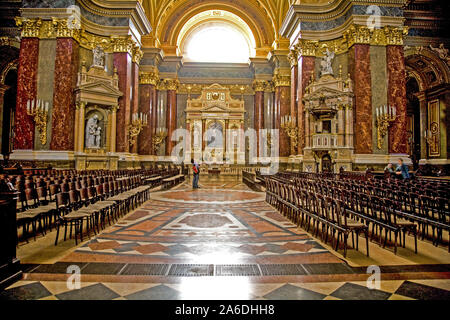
(402, 169)
(196, 171)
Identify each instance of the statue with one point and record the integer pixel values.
(93, 133)
(442, 52)
(325, 64)
(98, 57)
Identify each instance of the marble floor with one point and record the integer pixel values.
(222, 241)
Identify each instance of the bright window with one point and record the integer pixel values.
(218, 43)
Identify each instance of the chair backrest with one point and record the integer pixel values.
(62, 200)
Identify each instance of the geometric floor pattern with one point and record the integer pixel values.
(222, 241)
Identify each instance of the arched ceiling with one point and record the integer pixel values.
(264, 17)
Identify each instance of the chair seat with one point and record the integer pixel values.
(76, 215)
(355, 224)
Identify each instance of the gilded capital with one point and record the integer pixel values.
(29, 27)
(357, 34)
(293, 57)
(137, 54)
(280, 80)
(61, 29)
(307, 47)
(260, 85)
(148, 78)
(121, 44)
(171, 84)
(395, 36)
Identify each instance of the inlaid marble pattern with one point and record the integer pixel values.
(167, 250)
(26, 90)
(65, 81)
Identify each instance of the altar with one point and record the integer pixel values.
(215, 122)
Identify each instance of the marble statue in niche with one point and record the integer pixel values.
(93, 133)
(98, 57)
(325, 64)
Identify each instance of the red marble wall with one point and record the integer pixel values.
(135, 99)
(294, 90)
(258, 116)
(283, 100)
(171, 119)
(65, 81)
(359, 68)
(397, 97)
(26, 90)
(122, 61)
(147, 101)
(305, 70)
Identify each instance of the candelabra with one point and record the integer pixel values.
(138, 122)
(158, 138)
(39, 111)
(289, 126)
(385, 116)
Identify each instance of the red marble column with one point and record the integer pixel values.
(305, 71)
(171, 119)
(147, 101)
(135, 100)
(397, 97)
(122, 62)
(294, 91)
(26, 90)
(65, 81)
(258, 117)
(359, 68)
(283, 106)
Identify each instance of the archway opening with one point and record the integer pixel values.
(216, 36)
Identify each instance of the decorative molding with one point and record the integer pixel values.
(293, 57)
(58, 28)
(355, 34)
(172, 84)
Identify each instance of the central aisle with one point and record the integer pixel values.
(222, 241)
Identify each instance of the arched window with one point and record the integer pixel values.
(218, 42)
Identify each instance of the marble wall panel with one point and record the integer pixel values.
(65, 81)
(397, 97)
(45, 80)
(122, 62)
(360, 72)
(379, 90)
(26, 90)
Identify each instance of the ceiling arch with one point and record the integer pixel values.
(264, 17)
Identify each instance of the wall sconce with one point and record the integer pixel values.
(39, 111)
(158, 138)
(288, 124)
(385, 116)
(138, 122)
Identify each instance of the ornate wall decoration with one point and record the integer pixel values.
(148, 78)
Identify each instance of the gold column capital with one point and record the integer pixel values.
(148, 78)
(260, 85)
(282, 80)
(307, 48)
(61, 29)
(172, 84)
(29, 28)
(293, 57)
(137, 54)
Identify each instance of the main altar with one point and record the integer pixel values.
(215, 122)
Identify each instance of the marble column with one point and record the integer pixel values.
(397, 97)
(135, 100)
(65, 81)
(259, 117)
(359, 68)
(26, 90)
(171, 118)
(4, 130)
(147, 105)
(122, 62)
(306, 67)
(283, 105)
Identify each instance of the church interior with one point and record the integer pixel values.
(224, 150)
